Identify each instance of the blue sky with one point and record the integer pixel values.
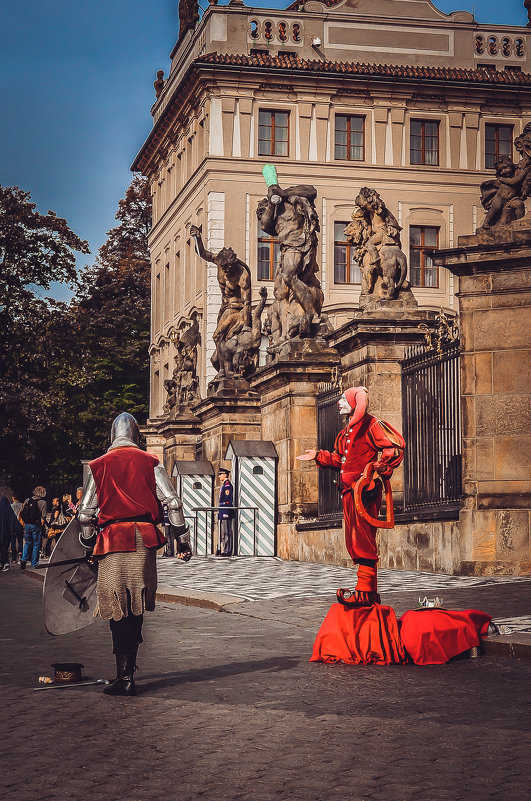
(76, 86)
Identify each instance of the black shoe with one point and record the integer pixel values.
(124, 683)
(353, 599)
(22, 564)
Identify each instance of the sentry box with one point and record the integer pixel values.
(254, 478)
(194, 481)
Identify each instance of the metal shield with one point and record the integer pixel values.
(69, 592)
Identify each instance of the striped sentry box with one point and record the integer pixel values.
(254, 476)
(195, 483)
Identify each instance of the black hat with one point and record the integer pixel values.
(223, 470)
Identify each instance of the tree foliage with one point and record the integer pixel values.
(70, 368)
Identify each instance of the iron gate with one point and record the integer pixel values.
(328, 427)
(432, 428)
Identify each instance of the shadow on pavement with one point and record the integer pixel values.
(158, 682)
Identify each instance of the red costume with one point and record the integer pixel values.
(355, 446)
(125, 484)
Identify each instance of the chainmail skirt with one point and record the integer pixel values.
(124, 577)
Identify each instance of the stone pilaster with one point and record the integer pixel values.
(173, 439)
(288, 389)
(227, 417)
(494, 269)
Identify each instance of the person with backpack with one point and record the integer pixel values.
(33, 515)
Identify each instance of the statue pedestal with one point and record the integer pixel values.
(173, 439)
(288, 388)
(494, 269)
(228, 387)
(224, 417)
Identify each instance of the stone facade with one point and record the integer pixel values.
(393, 67)
(494, 269)
(390, 65)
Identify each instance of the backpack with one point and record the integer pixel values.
(30, 511)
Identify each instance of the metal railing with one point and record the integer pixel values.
(328, 427)
(432, 429)
(209, 529)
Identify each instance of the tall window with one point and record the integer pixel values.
(422, 239)
(498, 142)
(424, 142)
(349, 137)
(346, 270)
(273, 133)
(268, 256)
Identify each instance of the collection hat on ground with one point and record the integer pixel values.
(67, 671)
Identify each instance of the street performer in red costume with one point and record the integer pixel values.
(356, 446)
(118, 513)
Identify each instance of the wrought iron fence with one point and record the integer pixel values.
(432, 427)
(328, 426)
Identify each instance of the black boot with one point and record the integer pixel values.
(124, 683)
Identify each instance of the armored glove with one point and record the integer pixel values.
(184, 550)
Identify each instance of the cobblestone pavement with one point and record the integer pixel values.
(229, 708)
(263, 578)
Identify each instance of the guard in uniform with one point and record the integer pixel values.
(118, 513)
(358, 444)
(226, 516)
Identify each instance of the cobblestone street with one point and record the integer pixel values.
(230, 708)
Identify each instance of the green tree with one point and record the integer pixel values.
(109, 320)
(35, 250)
(71, 368)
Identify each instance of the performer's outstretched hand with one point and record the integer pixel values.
(307, 456)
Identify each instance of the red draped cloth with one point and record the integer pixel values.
(433, 636)
(367, 635)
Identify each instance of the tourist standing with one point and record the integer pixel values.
(33, 516)
(17, 538)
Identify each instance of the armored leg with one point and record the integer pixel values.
(126, 637)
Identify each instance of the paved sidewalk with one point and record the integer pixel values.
(300, 593)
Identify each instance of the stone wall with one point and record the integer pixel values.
(494, 269)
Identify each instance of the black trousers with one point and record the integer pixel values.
(126, 634)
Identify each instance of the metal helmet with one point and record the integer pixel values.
(125, 427)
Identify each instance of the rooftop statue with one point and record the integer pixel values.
(503, 197)
(188, 16)
(290, 216)
(375, 233)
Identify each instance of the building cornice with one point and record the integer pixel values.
(286, 65)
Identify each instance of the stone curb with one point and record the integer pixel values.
(505, 646)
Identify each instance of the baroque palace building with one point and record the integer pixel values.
(341, 94)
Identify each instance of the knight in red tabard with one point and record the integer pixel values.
(118, 513)
(363, 440)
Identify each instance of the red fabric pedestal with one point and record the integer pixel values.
(433, 636)
(367, 635)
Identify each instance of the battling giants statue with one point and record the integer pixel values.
(290, 216)
(238, 331)
(375, 233)
(504, 197)
(183, 387)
